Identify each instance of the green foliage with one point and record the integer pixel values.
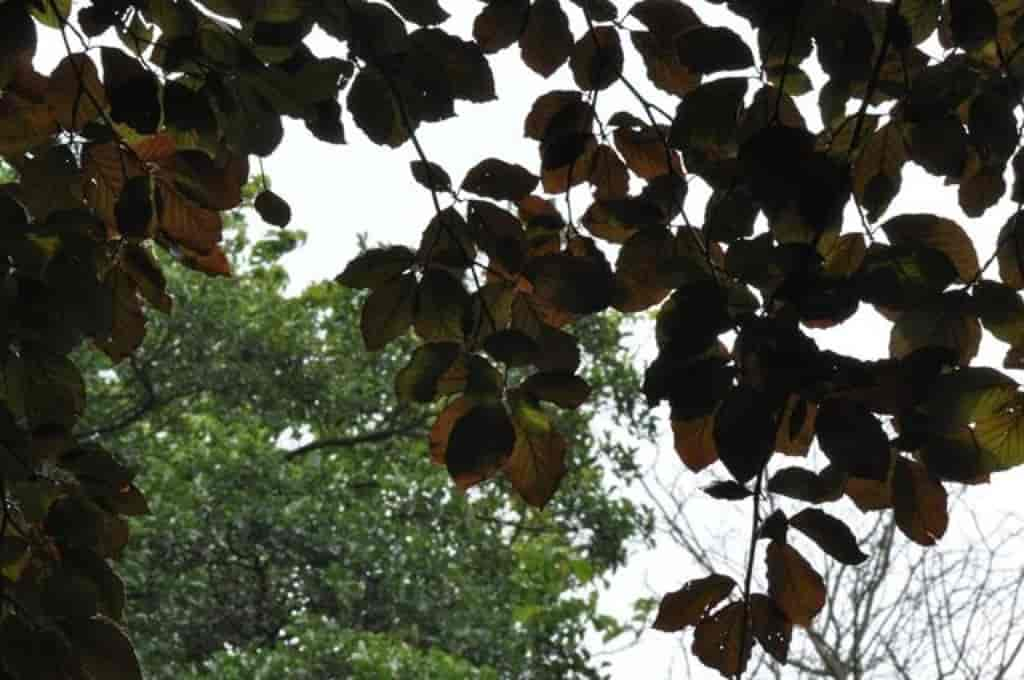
(272, 563)
(156, 148)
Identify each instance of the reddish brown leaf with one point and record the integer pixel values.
(919, 503)
(547, 41)
(645, 152)
(597, 58)
(771, 627)
(718, 640)
(794, 584)
(695, 442)
(691, 603)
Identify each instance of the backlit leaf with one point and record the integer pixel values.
(480, 443)
(919, 503)
(707, 49)
(793, 584)
(718, 640)
(376, 266)
(831, 534)
(546, 42)
(388, 312)
(499, 180)
(691, 603)
(597, 58)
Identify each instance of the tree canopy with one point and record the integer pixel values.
(142, 135)
(295, 583)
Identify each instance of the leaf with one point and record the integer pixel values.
(388, 312)
(500, 24)
(442, 305)
(793, 584)
(972, 22)
(499, 180)
(853, 439)
(558, 113)
(691, 603)
(707, 49)
(799, 483)
(1010, 251)
(694, 441)
(770, 626)
(744, 432)
(608, 174)
(546, 42)
(564, 389)
(936, 232)
(441, 431)
(727, 490)
(133, 91)
(48, 386)
(374, 267)
(944, 322)
(24, 124)
(127, 323)
(75, 93)
(597, 59)
(718, 640)
(421, 379)
(134, 210)
(103, 649)
(512, 347)
(877, 171)
(272, 208)
(480, 443)
(537, 464)
(423, 12)
(431, 176)
(831, 534)
(463, 64)
(919, 503)
(645, 152)
(375, 109)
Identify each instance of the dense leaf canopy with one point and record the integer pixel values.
(144, 132)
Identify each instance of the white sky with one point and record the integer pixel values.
(337, 192)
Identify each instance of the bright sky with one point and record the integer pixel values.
(337, 192)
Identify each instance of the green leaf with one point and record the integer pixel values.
(442, 307)
(422, 379)
(388, 312)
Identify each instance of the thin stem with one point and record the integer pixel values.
(748, 576)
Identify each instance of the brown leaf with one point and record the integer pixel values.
(794, 584)
(695, 442)
(645, 151)
(499, 180)
(500, 24)
(831, 534)
(442, 429)
(919, 503)
(480, 443)
(771, 627)
(547, 41)
(1011, 250)
(74, 91)
(537, 464)
(608, 174)
(597, 58)
(718, 640)
(691, 603)
(186, 223)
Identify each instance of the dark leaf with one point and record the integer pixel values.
(377, 266)
(500, 24)
(691, 603)
(422, 379)
(745, 426)
(727, 490)
(563, 389)
(273, 209)
(771, 627)
(707, 49)
(546, 42)
(793, 584)
(831, 534)
(597, 59)
(431, 175)
(480, 443)
(718, 640)
(388, 311)
(499, 180)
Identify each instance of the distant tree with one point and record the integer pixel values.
(143, 133)
(310, 536)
